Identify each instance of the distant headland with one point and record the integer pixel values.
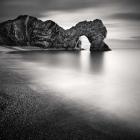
(29, 31)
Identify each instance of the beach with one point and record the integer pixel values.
(60, 95)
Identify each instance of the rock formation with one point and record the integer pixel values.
(29, 31)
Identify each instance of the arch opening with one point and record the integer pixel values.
(85, 44)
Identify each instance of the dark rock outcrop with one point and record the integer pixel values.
(29, 31)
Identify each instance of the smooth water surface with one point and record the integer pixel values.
(107, 82)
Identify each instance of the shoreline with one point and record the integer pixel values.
(31, 48)
(26, 114)
(35, 114)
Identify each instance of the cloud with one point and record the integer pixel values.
(120, 16)
(136, 37)
(126, 16)
(12, 8)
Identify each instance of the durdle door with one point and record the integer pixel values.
(29, 31)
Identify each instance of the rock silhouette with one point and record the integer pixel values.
(29, 31)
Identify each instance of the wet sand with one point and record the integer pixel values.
(27, 114)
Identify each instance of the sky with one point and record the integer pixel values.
(121, 17)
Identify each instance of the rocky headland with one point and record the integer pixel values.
(29, 31)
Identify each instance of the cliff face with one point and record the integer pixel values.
(29, 31)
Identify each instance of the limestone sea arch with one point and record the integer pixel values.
(29, 31)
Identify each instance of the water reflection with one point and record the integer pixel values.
(96, 62)
(97, 81)
(83, 61)
(55, 59)
(92, 62)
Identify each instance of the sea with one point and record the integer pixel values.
(106, 83)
